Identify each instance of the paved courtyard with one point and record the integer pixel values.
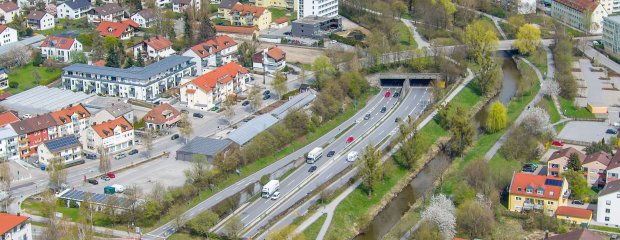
(585, 131)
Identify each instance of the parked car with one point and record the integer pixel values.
(352, 156)
(245, 103)
(387, 94)
(91, 156)
(93, 181)
(111, 175)
(120, 156)
(312, 169)
(397, 119)
(367, 116)
(557, 144)
(534, 165)
(215, 109)
(528, 168)
(396, 94)
(275, 196)
(266, 92)
(133, 151)
(105, 178)
(383, 109)
(175, 136)
(198, 115)
(331, 153)
(577, 202)
(265, 97)
(184, 111)
(611, 131)
(350, 139)
(614, 237)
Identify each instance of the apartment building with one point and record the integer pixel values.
(60, 48)
(608, 206)
(7, 35)
(141, 83)
(73, 9)
(144, 18)
(213, 53)
(67, 148)
(321, 8)
(8, 10)
(594, 168)
(246, 15)
(613, 169)
(71, 121)
(585, 15)
(111, 12)
(33, 132)
(154, 48)
(529, 192)
(15, 227)
(114, 135)
(611, 35)
(39, 20)
(271, 59)
(8, 143)
(558, 161)
(180, 6)
(210, 89)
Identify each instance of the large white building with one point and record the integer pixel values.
(611, 35)
(7, 35)
(60, 48)
(608, 207)
(141, 83)
(144, 18)
(213, 53)
(72, 120)
(585, 15)
(73, 9)
(114, 136)
(321, 8)
(39, 20)
(210, 89)
(14, 227)
(8, 143)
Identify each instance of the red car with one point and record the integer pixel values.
(388, 94)
(110, 175)
(350, 139)
(557, 144)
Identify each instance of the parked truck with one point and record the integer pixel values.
(314, 155)
(270, 188)
(116, 188)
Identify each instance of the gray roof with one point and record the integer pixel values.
(34, 41)
(108, 8)
(97, 198)
(298, 101)
(78, 4)
(62, 143)
(115, 106)
(610, 187)
(228, 4)
(41, 100)
(138, 73)
(312, 19)
(147, 13)
(205, 146)
(7, 132)
(615, 19)
(252, 128)
(37, 15)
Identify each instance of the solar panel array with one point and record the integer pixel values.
(100, 199)
(62, 143)
(554, 182)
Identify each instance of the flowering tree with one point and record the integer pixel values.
(537, 121)
(441, 212)
(51, 9)
(551, 88)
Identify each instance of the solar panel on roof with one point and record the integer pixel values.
(554, 182)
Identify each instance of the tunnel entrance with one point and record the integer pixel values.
(392, 82)
(420, 82)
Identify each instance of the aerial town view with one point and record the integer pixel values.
(309, 119)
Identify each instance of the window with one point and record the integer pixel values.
(607, 210)
(518, 198)
(606, 219)
(608, 202)
(618, 195)
(529, 190)
(549, 202)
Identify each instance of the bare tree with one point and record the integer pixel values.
(229, 111)
(147, 141)
(233, 227)
(53, 228)
(57, 173)
(85, 229)
(255, 97)
(134, 193)
(279, 83)
(5, 185)
(105, 165)
(441, 211)
(185, 127)
(302, 76)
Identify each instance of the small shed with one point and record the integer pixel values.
(208, 147)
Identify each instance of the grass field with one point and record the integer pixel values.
(29, 76)
(406, 38)
(278, 13)
(603, 228)
(313, 230)
(73, 214)
(570, 110)
(547, 104)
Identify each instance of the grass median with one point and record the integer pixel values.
(572, 111)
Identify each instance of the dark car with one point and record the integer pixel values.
(266, 92)
(331, 153)
(577, 202)
(397, 119)
(383, 109)
(198, 115)
(105, 178)
(93, 181)
(367, 116)
(528, 168)
(90, 156)
(175, 136)
(133, 151)
(312, 169)
(396, 94)
(611, 131)
(265, 97)
(245, 103)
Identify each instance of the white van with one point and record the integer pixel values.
(352, 156)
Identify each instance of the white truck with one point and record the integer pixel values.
(314, 155)
(270, 188)
(118, 188)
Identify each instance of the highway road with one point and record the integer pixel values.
(373, 105)
(301, 182)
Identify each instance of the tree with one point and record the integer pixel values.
(5, 184)
(408, 153)
(516, 21)
(105, 165)
(129, 62)
(202, 223)
(551, 88)
(475, 219)
(279, 83)
(521, 146)
(54, 228)
(598, 147)
(427, 230)
(481, 41)
(297, 121)
(462, 132)
(574, 162)
(207, 31)
(489, 76)
(536, 121)
(38, 59)
(139, 59)
(322, 68)
(57, 173)
(188, 31)
(255, 97)
(577, 183)
(133, 194)
(229, 111)
(78, 57)
(477, 174)
(528, 39)
(147, 141)
(441, 212)
(246, 51)
(497, 118)
(370, 168)
(86, 220)
(112, 58)
(302, 76)
(233, 227)
(185, 127)
(226, 161)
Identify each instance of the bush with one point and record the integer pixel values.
(13, 84)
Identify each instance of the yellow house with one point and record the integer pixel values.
(574, 215)
(529, 192)
(245, 15)
(558, 160)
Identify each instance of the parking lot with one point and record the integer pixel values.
(585, 131)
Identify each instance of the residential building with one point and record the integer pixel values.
(315, 27)
(204, 146)
(573, 215)
(8, 143)
(613, 169)
(158, 3)
(181, 5)
(321, 8)
(122, 30)
(577, 234)
(608, 206)
(4, 80)
(223, 10)
(39, 20)
(14, 227)
(594, 167)
(111, 12)
(611, 35)
(144, 18)
(213, 53)
(162, 116)
(111, 111)
(520, 6)
(29, 4)
(8, 11)
(585, 15)
(247, 15)
(7, 35)
(67, 148)
(141, 83)
(529, 192)
(271, 59)
(276, 3)
(33, 132)
(154, 48)
(210, 89)
(114, 135)
(237, 31)
(73, 9)
(7, 118)
(72, 120)
(60, 48)
(558, 160)
(280, 22)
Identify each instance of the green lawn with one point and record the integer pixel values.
(213, 8)
(219, 21)
(313, 230)
(73, 214)
(406, 38)
(603, 228)
(499, 163)
(570, 110)
(539, 59)
(278, 13)
(547, 104)
(29, 76)
(491, 25)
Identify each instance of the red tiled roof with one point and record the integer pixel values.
(276, 53)
(601, 157)
(521, 181)
(58, 42)
(115, 29)
(223, 74)
(9, 221)
(235, 29)
(566, 152)
(3, 27)
(7, 118)
(157, 114)
(158, 42)
(8, 6)
(573, 212)
(214, 45)
(281, 20)
(99, 63)
(106, 129)
(63, 116)
(190, 91)
(577, 234)
(579, 5)
(248, 9)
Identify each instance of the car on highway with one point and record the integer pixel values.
(111, 175)
(133, 151)
(175, 136)
(367, 116)
(266, 92)
(350, 139)
(383, 109)
(312, 169)
(352, 156)
(247, 119)
(93, 181)
(105, 178)
(331, 153)
(388, 94)
(396, 94)
(275, 196)
(611, 131)
(245, 103)
(265, 97)
(120, 156)
(198, 115)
